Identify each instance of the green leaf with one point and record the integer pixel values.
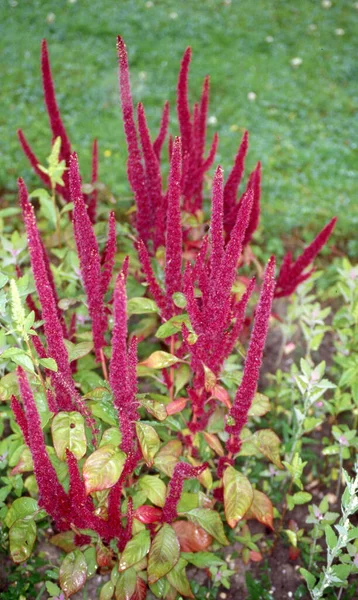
(210, 521)
(154, 488)
(260, 405)
(160, 360)
(179, 299)
(76, 351)
(22, 536)
(56, 167)
(141, 306)
(268, 443)
(136, 549)
(172, 326)
(331, 537)
(21, 508)
(149, 442)
(17, 310)
(160, 588)
(301, 497)
(103, 468)
(73, 573)
(126, 584)
(178, 579)
(238, 495)
(49, 363)
(52, 588)
(3, 280)
(157, 409)
(64, 540)
(19, 357)
(164, 553)
(91, 560)
(309, 578)
(68, 432)
(112, 436)
(203, 560)
(107, 591)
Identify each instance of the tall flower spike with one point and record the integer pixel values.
(20, 418)
(32, 158)
(163, 130)
(255, 183)
(153, 176)
(183, 109)
(245, 394)
(122, 368)
(174, 241)
(182, 471)
(57, 126)
(109, 254)
(234, 179)
(292, 274)
(153, 285)
(52, 496)
(216, 223)
(90, 263)
(135, 169)
(92, 197)
(53, 328)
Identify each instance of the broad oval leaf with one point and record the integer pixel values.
(107, 591)
(111, 436)
(268, 443)
(192, 538)
(136, 549)
(149, 442)
(22, 536)
(103, 468)
(260, 405)
(141, 306)
(164, 553)
(64, 540)
(210, 521)
(178, 579)
(210, 379)
(238, 495)
(68, 433)
(148, 514)
(261, 509)
(176, 406)
(21, 508)
(154, 488)
(126, 584)
(160, 360)
(73, 573)
(213, 441)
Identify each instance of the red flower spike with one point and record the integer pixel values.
(122, 373)
(163, 130)
(109, 254)
(182, 471)
(247, 388)
(183, 109)
(52, 496)
(255, 184)
(90, 263)
(203, 115)
(33, 160)
(291, 274)
(211, 154)
(52, 326)
(135, 169)
(92, 197)
(234, 179)
(153, 285)
(20, 418)
(153, 177)
(174, 240)
(216, 223)
(57, 126)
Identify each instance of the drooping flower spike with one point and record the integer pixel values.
(292, 273)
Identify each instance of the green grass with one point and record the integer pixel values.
(303, 123)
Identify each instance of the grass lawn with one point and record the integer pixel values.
(303, 121)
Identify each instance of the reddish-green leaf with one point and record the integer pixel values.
(136, 549)
(260, 405)
(64, 540)
(213, 441)
(192, 538)
(68, 433)
(73, 573)
(178, 579)
(210, 521)
(126, 584)
(160, 360)
(103, 468)
(238, 495)
(268, 443)
(149, 442)
(22, 536)
(164, 553)
(154, 488)
(148, 514)
(210, 379)
(261, 509)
